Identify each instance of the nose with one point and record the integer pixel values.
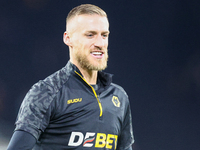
(99, 42)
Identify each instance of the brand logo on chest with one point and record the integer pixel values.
(76, 100)
(116, 101)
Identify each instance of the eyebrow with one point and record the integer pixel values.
(94, 32)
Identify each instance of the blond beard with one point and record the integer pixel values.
(86, 64)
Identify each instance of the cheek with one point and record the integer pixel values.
(76, 44)
(86, 46)
(106, 43)
(82, 44)
(79, 47)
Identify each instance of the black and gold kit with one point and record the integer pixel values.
(64, 112)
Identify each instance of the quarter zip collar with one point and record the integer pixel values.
(103, 79)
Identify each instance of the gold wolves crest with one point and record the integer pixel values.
(116, 101)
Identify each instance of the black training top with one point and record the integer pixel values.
(64, 112)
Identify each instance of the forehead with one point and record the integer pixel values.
(89, 22)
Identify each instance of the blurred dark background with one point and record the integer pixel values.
(154, 50)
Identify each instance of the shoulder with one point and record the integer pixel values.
(57, 79)
(120, 89)
(44, 91)
(120, 94)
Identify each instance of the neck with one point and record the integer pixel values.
(89, 75)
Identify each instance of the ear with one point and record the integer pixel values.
(66, 38)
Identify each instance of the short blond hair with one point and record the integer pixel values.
(85, 9)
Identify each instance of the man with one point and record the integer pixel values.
(78, 107)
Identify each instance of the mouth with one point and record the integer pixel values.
(98, 54)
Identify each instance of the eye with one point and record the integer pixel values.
(89, 35)
(105, 35)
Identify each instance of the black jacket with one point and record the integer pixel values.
(64, 112)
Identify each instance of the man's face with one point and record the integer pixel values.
(88, 41)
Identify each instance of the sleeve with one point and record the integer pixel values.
(130, 148)
(21, 140)
(126, 138)
(35, 110)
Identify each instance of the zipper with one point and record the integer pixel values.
(95, 94)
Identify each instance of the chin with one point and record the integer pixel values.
(100, 67)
